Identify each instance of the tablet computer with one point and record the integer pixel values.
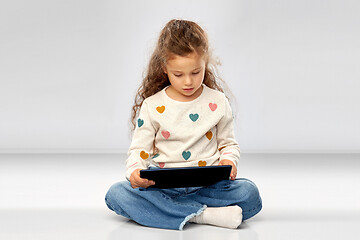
(186, 177)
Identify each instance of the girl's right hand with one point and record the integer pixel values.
(136, 181)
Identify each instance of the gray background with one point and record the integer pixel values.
(69, 71)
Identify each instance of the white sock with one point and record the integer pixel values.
(228, 217)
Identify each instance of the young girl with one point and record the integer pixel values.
(182, 118)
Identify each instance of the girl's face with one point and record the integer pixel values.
(186, 75)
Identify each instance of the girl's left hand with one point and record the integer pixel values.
(233, 169)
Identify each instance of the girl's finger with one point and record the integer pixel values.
(146, 183)
(150, 183)
(233, 174)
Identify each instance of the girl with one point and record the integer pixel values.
(182, 118)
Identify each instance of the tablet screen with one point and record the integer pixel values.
(186, 177)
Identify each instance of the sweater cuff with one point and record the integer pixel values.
(234, 160)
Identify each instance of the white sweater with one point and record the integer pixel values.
(187, 134)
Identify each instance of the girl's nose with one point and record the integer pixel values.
(188, 80)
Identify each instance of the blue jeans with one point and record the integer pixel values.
(173, 208)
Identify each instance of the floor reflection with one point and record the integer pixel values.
(132, 230)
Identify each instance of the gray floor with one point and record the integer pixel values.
(306, 196)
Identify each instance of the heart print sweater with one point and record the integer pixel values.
(185, 134)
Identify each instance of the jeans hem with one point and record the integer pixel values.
(253, 212)
(200, 211)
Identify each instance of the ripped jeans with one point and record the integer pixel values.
(173, 208)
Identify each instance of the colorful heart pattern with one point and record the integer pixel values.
(213, 106)
(222, 148)
(140, 122)
(202, 163)
(155, 156)
(209, 135)
(144, 155)
(194, 117)
(165, 134)
(160, 109)
(186, 154)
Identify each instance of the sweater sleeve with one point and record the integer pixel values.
(142, 142)
(227, 144)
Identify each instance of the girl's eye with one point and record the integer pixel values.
(177, 75)
(196, 73)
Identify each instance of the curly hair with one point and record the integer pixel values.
(179, 37)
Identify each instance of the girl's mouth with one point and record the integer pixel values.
(188, 89)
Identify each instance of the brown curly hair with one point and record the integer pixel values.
(179, 37)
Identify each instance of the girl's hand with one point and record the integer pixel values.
(136, 181)
(233, 169)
